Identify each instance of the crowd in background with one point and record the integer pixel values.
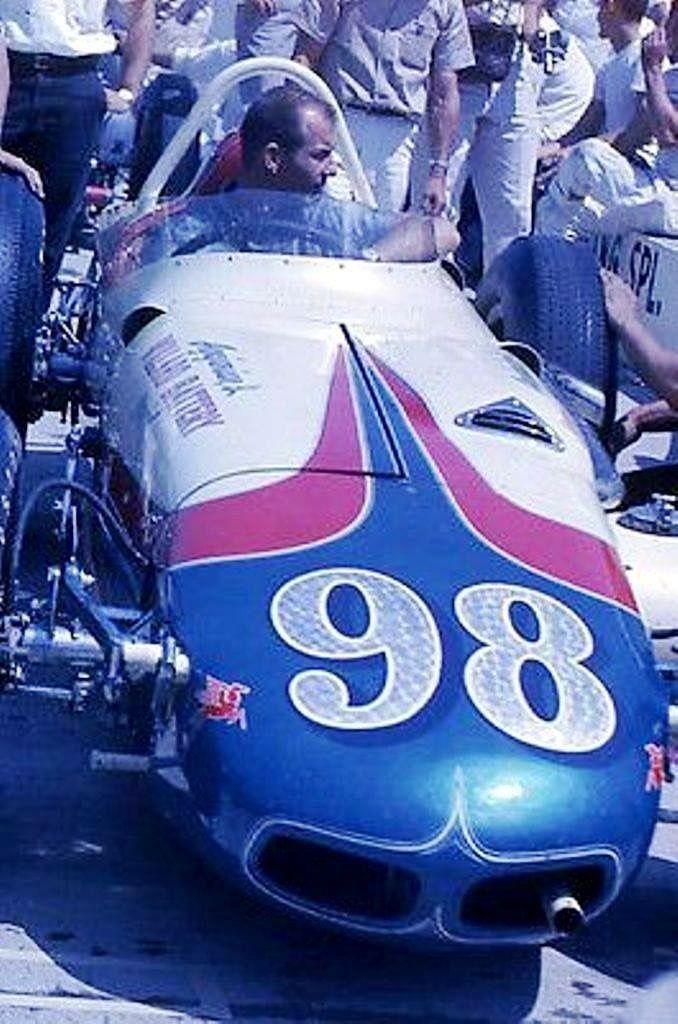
(576, 99)
(506, 94)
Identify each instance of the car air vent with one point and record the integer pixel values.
(510, 416)
(328, 879)
(516, 903)
(136, 321)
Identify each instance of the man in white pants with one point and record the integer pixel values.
(391, 66)
(53, 99)
(606, 157)
(499, 133)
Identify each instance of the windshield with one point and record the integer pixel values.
(266, 221)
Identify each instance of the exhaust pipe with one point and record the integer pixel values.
(563, 911)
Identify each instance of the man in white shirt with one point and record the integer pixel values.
(394, 67)
(53, 98)
(580, 18)
(498, 137)
(568, 88)
(607, 155)
(267, 28)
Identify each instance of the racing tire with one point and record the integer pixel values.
(547, 293)
(21, 236)
(10, 467)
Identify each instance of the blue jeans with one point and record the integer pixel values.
(53, 122)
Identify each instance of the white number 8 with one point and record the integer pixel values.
(586, 716)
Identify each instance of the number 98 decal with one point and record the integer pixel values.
(400, 627)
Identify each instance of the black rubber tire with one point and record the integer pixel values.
(164, 105)
(21, 235)
(11, 451)
(547, 293)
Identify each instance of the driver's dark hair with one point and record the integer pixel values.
(276, 117)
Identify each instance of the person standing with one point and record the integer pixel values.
(660, 67)
(499, 135)
(608, 155)
(54, 100)
(9, 161)
(266, 28)
(393, 66)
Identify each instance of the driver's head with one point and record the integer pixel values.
(288, 141)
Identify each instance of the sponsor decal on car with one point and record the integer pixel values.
(182, 393)
(656, 774)
(223, 702)
(224, 363)
(639, 264)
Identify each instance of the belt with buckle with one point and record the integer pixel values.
(24, 65)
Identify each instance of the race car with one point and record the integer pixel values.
(376, 651)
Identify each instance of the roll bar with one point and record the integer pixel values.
(213, 97)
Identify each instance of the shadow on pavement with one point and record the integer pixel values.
(638, 938)
(99, 899)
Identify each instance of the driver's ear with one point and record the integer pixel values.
(273, 156)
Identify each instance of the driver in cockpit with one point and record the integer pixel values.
(288, 139)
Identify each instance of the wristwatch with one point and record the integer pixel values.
(125, 94)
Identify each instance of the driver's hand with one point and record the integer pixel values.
(16, 165)
(434, 199)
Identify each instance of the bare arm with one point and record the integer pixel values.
(657, 364)
(442, 112)
(136, 52)
(416, 238)
(320, 19)
(636, 133)
(531, 16)
(662, 114)
(589, 124)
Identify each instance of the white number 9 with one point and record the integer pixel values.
(399, 626)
